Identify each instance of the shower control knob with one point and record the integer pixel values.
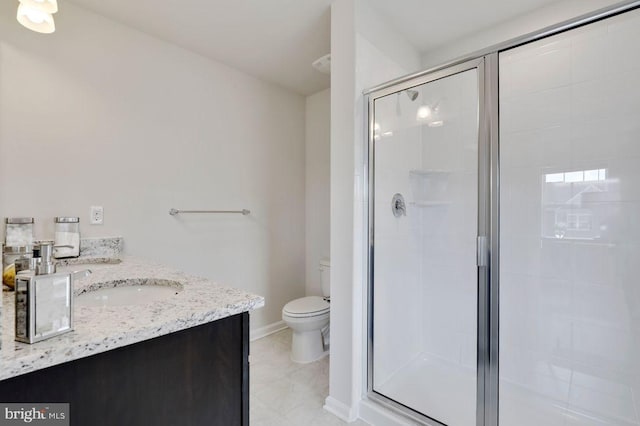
(398, 206)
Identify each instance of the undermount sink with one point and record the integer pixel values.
(140, 292)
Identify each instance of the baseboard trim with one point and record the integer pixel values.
(259, 333)
(340, 410)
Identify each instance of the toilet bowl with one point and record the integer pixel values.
(308, 318)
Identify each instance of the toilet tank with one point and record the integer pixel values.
(325, 266)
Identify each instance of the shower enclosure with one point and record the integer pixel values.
(504, 232)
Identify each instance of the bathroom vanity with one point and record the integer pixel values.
(178, 358)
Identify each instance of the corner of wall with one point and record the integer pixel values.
(360, 58)
(343, 88)
(317, 186)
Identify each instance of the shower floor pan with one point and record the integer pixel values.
(446, 392)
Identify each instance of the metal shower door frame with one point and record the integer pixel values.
(483, 224)
(486, 60)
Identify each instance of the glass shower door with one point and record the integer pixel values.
(570, 228)
(424, 228)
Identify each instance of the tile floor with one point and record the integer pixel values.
(284, 393)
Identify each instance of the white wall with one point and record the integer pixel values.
(358, 62)
(341, 395)
(317, 186)
(101, 114)
(524, 24)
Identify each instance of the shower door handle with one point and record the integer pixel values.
(482, 251)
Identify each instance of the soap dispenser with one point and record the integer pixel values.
(44, 299)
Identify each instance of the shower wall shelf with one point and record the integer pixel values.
(431, 187)
(419, 172)
(591, 241)
(433, 203)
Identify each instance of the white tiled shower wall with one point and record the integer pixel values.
(449, 224)
(570, 235)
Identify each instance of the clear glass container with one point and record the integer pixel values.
(19, 257)
(18, 231)
(67, 237)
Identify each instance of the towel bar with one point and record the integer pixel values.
(243, 212)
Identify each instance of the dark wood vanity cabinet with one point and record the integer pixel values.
(198, 376)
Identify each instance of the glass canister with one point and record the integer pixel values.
(18, 231)
(67, 237)
(15, 259)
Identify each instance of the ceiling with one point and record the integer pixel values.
(277, 40)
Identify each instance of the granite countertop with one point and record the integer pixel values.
(100, 329)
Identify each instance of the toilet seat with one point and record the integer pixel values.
(305, 307)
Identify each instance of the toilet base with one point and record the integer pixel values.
(306, 346)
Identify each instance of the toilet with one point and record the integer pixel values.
(308, 317)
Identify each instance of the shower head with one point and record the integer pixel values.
(412, 94)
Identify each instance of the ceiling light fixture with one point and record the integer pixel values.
(36, 15)
(47, 6)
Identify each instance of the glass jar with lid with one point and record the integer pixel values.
(67, 237)
(18, 231)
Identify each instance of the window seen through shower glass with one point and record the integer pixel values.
(424, 272)
(570, 228)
